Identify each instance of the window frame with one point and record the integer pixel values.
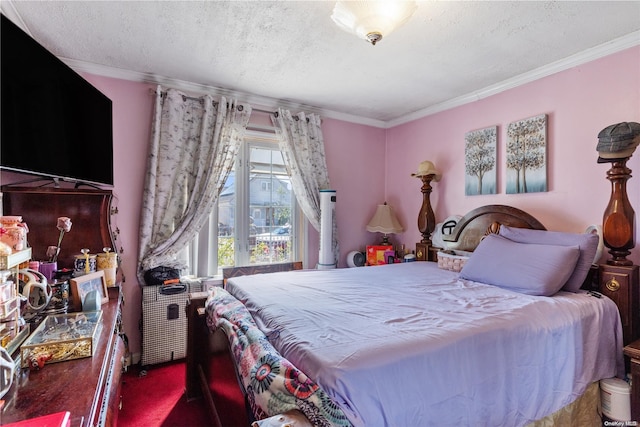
(202, 254)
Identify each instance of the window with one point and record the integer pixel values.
(257, 215)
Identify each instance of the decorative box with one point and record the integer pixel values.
(63, 337)
(8, 307)
(7, 291)
(453, 260)
(376, 254)
(14, 232)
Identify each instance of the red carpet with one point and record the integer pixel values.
(157, 399)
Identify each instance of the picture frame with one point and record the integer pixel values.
(526, 155)
(480, 161)
(82, 285)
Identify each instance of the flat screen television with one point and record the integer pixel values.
(53, 123)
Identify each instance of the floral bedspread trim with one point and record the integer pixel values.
(272, 384)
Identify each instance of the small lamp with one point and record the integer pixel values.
(384, 221)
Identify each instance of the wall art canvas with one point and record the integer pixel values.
(526, 155)
(480, 161)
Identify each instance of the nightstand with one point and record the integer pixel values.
(633, 352)
(620, 283)
(426, 252)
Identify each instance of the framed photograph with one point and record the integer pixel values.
(82, 285)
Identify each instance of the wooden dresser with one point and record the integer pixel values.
(89, 388)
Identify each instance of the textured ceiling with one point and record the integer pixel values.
(265, 51)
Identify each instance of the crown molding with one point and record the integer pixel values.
(614, 46)
(605, 49)
(617, 45)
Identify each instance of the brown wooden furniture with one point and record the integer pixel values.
(426, 252)
(202, 344)
(618, 224)
(620, 283)
(426, 217)
(89, 388)
(259, 269)
(40, 207)
(632, 351)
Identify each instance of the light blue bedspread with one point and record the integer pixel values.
(413, 345)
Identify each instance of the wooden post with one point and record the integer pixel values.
(618, 224)
(426, 217)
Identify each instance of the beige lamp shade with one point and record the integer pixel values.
(384, 221)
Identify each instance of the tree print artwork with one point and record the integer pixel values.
(480, 161)
(526, 156)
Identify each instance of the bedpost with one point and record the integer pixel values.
(196, 325)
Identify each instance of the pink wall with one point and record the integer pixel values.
(355, 157)
(579, 102)
(367, 163)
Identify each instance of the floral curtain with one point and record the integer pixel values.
(302, 145)
(194, 142)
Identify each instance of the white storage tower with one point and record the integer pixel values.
(327, 258)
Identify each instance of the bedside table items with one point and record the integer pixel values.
(91, 301)
(108, 262)
(378, 254)
(59, 303)
(64, 226)
(409, 258)
(452, 260)
(48, 268)
(84, 263)
(356, 259)
(35, 290)
(9, 300)
(81, 286)
(62, 337)
(13, 232)
(615, 396)
(384, 221)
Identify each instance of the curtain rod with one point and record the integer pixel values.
(191, 98)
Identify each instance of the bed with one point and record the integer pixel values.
(412, 344)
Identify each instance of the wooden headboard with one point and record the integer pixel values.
(476, 223)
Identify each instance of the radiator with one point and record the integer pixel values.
(164, 322)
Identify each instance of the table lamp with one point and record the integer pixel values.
(384, 221)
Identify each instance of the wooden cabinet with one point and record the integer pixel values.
(633, 352)
(40, 207)
(89, 388)
(426, 252)
(620, 283)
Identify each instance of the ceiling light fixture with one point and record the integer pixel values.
(371, 20)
